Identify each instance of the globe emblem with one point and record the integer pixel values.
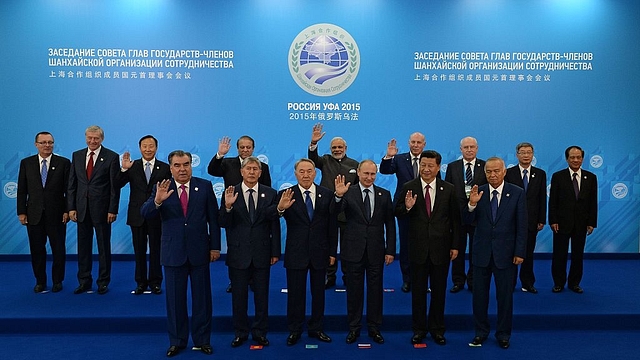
(443, 168)
(596, 161)
(285, 186)
(534, 161)
(619, 190)
(325, 57)
(195, 160)
(218, 189)
(263, 158)
(11, 190)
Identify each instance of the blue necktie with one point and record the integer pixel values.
(525, 179)
(252, 206)
(147, 171)
(308, 203)
(367, 204)
(494, 205)
(468, 175)
(44, 172)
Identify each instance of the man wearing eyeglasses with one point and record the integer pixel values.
(534, 182)
(42, 208)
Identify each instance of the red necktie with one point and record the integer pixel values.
(427, 199)
(90, 166)
(183, 199)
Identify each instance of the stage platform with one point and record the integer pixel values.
(609, 303)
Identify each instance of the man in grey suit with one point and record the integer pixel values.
(93, 200)
(499, 245)
(248, 213)
(368, 244)
(42, 208)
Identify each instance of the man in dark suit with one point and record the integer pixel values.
(463, 174)
(331, 165)
(534, 182)
(42, 208)
(368, 244)
(93, 199)
(253, 245)
(142, 175)
(431, 209)
(229, 168)
(312, 238)
(406, 167)
(190, 241)
(499, 245)
(573, 214)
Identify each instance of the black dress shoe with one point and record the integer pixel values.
(103, 289)
(320, 335)
(352, 336)
(556, 289)
(529, 289)
(439, 339)
(456, 288)
(577, 289)
(406, 287)
(38, 288)
(207, 349)
(377, 337)
(173, 350)
(238, 340)
(80, 289)
(57, 287)
(503, 344)
(156, 289)
(477, 341)
(261, 340)
(139, 290)
(293, 338)
(329, 283)
(229, 288)
(417, 338)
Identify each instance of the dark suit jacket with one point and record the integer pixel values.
(402, 166)
(100, 195)
(455, 175)
(536, 194)
(33, 198)
(310, 242)
(331, 167)
(568, 212)
(229, 170)
(432, 238)
(249, 242)
(139, 190)
(191, 237)
(360, 234)
(507, 236)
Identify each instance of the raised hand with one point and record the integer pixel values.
(317, 134)
(162, 191)
(392, 149)
(230, 196)
(126, 160)
(474, 195)
(409, 199)
(224, 145)
(341, 187)
(286, 200)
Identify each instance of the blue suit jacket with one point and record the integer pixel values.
(311, 242)
(256, 241)
(505, 237)
(191, 237)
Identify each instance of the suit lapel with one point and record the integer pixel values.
(505, 198)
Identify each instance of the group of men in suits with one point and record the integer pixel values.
(177, 216)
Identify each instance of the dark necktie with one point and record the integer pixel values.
(147, 171)
(525, 179)
(576, 188)
(415, 167)
(43, 173)
(427, 199)
(309, 204)
(468, 175)
(252, 206)
(367, 204)
(90, 165)
(184, 200)
(494, 205)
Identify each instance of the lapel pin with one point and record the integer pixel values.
(195, 188)
(262, 195)
(533, 175)
(53, 168)
(379, 194)
(101, 159)
(441, 188)
(508, 194)
(585, 177)
(319, 195)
